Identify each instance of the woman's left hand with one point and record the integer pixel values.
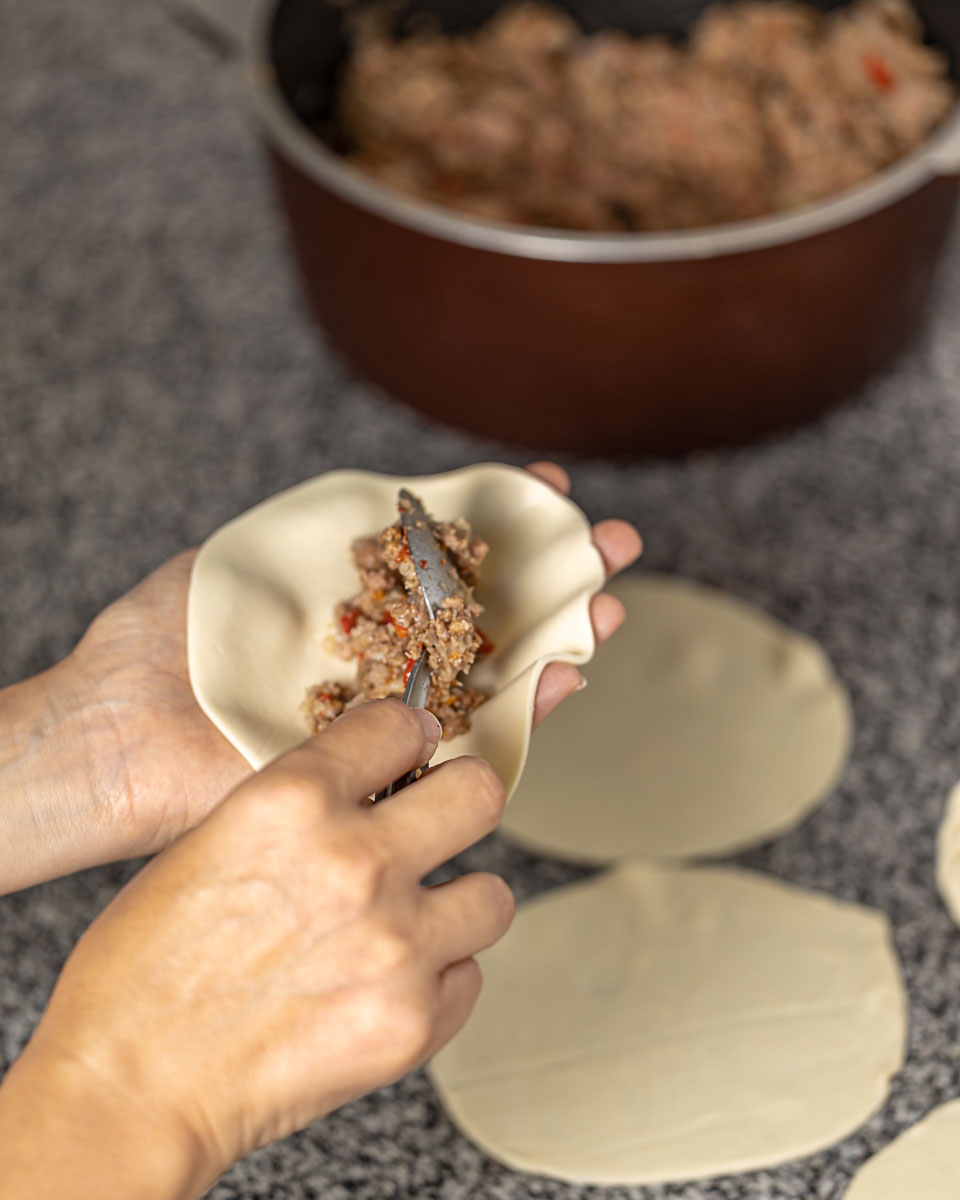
(108, 755)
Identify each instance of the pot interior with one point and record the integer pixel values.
(308, 39)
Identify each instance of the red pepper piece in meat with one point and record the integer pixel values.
(348, 619)
(879, 73)
(389, 619)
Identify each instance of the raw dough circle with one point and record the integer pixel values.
(948, 861)
(707, 726)
(661, 1023)
(924, 1162)
(265, 586)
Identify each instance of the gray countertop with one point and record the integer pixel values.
(157, 376)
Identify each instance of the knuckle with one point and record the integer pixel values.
(400, 1023)
(285, 784)
(472, 984)
(485, 789)
(500, 901)
(462, 1003)
(371, 1013)
(284, 793)
(398, 720)
(412, 1030)
(355, 873)
(386, 950)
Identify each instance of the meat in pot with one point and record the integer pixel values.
(768, 106)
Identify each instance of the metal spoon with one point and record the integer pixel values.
(438, 581)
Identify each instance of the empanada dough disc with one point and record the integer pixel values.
(660, 1023)
(264, 589)
(707, 727)
(922, 1164)
(948, 864)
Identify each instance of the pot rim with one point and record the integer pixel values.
(937, 157)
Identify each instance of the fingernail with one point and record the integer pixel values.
(580, 686)
(431, 726)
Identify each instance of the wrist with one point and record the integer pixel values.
(67, 1133)
(57, 803)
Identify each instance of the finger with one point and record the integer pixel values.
(465, 915)
(619, 544)
(607, 614)
(560, 680)
(552, 473)
(362, 751)
(557, 681)
(444, 812)
(459, 988)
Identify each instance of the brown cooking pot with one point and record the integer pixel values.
(598, 343)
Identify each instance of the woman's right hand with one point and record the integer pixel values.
(277, 961)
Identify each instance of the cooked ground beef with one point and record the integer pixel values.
(767, 106)
(385, 627)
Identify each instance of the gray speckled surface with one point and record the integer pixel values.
(157, 376)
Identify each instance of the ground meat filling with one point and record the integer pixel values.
(766, 107)
(385, 626)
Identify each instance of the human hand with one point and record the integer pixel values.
(121, 760)
(619, 545)
(276, 962)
